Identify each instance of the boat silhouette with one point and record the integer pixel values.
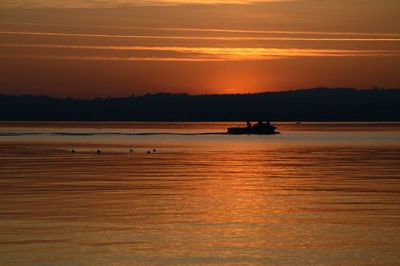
(259, 128)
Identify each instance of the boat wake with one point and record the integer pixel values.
(17, 134)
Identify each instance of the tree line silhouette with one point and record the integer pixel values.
(318, 104)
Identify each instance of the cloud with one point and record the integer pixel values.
(215, 38)
(200, 53)
(122, 3)
(212, 30)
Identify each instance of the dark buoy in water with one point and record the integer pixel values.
(98, 151)
(148, 152)
(72, 151)
(130, 150)
(154, 150)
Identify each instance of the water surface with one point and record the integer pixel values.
(318, 194)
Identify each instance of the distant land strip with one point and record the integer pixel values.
(318, 104)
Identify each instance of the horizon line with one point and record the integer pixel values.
(133, 95)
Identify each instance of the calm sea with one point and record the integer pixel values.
(317, 194)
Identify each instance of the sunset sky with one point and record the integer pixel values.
(100, 48)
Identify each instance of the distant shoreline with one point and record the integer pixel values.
(195, 122)
(312, 105)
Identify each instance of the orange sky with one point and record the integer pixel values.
(116, 48)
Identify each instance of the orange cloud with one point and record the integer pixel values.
(215, 38)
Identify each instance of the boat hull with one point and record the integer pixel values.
(252, 131)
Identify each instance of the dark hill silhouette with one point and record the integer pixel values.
(320, 104)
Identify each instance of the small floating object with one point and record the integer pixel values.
(130, 150)
(154, 150)
(148, 152)
(72, 151)
(98, 151)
